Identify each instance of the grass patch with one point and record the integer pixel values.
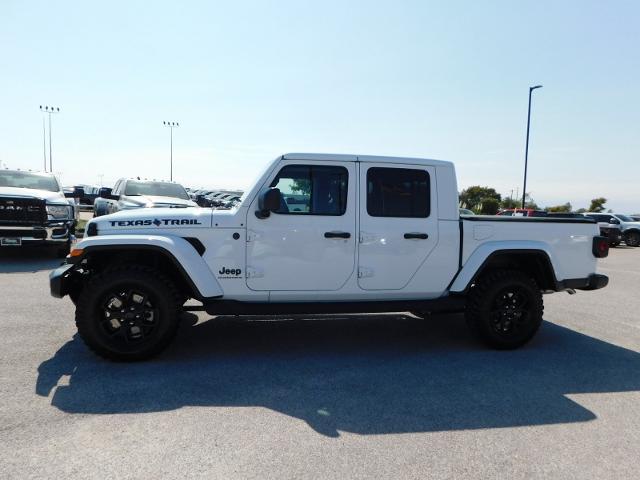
(80, 227)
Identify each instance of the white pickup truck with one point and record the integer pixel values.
(324, 234)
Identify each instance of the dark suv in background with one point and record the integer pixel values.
(609, 227)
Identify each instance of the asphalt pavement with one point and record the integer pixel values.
(349, 396)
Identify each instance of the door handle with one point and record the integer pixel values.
(337, 235)
(416, 235)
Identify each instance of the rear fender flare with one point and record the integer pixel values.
(479, 258)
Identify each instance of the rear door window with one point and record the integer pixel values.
(398, 192)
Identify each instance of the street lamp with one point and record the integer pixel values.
(526, 148)
(171, 126)
(49, 110)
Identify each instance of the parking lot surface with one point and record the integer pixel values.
(351, 396)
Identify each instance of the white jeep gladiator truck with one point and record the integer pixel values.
(324, 234)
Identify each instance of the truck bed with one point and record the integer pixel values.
(567, 241)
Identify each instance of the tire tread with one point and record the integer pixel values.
(482, 290)
(84, 311)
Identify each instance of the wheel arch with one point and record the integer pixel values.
(533, 261)
(175, 257)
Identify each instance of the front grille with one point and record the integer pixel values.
(23, 232)
(30, 211)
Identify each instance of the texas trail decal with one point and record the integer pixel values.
(157, 222)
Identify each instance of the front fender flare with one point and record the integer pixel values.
(182, 254)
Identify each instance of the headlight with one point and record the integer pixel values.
(59, 212)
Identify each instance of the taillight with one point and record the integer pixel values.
(600, 247)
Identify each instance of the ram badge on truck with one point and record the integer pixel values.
(324, 234)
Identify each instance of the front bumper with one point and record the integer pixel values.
(594, 281)
(60, 280)
(50, 233)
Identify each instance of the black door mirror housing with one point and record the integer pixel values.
(105, 192)
(268, 201)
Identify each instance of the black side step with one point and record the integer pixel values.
(449, 304)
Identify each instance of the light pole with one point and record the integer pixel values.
(171, 126)
(49, 110)
(44, 142)
(526, 148)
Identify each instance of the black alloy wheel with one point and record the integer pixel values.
(128, 317)
(510, 312)
(504, 309)
(128, 313)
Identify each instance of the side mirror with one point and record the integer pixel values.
(614, 221)
(268, 201)
(105, 192)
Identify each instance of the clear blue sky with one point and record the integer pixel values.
(251, 80)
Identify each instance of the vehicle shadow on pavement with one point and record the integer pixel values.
(16, 260)
(366, 374)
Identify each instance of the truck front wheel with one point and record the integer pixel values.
(63, 250)
(128, 313)
(504, 309)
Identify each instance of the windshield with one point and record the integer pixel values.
(624, 218)
(10, 178)
(160, 189)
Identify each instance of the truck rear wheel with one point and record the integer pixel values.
(632, 239)
(504, 309)
(128, 313)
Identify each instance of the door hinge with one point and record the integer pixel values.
(365, 237)
(252, 236)
(253, 272)
(364, 272)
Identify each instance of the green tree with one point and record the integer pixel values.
(597, 204)
(560, 208)
(489, 206)
(473, 197)
(509, 203)
(529, 202)
(301, 186)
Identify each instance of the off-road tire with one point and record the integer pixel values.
(95, 313)
(504, 309)
(632, 239)
(63, 251)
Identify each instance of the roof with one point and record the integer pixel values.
(29, 172)
(333, 157)
(146, 180)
